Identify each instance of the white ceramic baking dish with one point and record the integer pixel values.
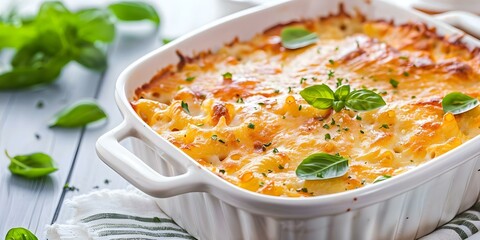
(405, 207)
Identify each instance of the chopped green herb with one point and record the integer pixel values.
(326, 126)
(314, 79)
(332, 122)
(403, 57)
(70, 187)
(394, 83)
(267, 144)
(385, 126)
(185, 107)
(299, 107)
(289, 89)
(413, 97)
(362, 132)
(304, 190)
(331, 61)
(331, 74)
(346, 129)
(339, 82)
(276, 91)
(280, 166)
(251, 126)
(240, 100)
(406, 74)
(302, 80)
(190, 79)
(40, 104)
(275, 150)
(327, 136)
(264, 174)
(227, 75)
(358, 118)
(283, 117)
(214, 137)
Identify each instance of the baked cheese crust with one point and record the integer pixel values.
(254, 128)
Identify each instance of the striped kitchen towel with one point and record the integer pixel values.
(130, 214)
(116, 215)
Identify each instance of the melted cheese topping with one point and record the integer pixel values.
(254, 129)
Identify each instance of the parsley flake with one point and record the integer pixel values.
(227, 75)
(185, 107)
(385, 126)
(394, 83)
(327, 136)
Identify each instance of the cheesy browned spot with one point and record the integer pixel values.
(254, 129)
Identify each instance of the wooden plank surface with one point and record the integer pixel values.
(35, 203)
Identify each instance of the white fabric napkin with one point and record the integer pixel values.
(130, 214)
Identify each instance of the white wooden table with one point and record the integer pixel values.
(23, 125)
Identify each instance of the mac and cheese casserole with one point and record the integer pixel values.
(238, 112)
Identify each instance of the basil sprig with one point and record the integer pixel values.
(78, 115)
(322, 97)
(45, 44)
(297, 37)
(458, 103)
(322, 166)
(32, 165)
(20, 234)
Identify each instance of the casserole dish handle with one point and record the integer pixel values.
(137, 172)
(466, 21)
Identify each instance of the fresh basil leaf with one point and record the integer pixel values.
(50, 8)
(95, 25)
(31, 166)
(342, 92)
(362, 100)
(20, 234)
(458, 103)
(297, 37)
(319, 96)
(134, 11)
(91, 57)
(23, 77)
(38, 52)
(322, 166)
(78, 114)
(14, 37)
(338, 105)
(381, 178)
